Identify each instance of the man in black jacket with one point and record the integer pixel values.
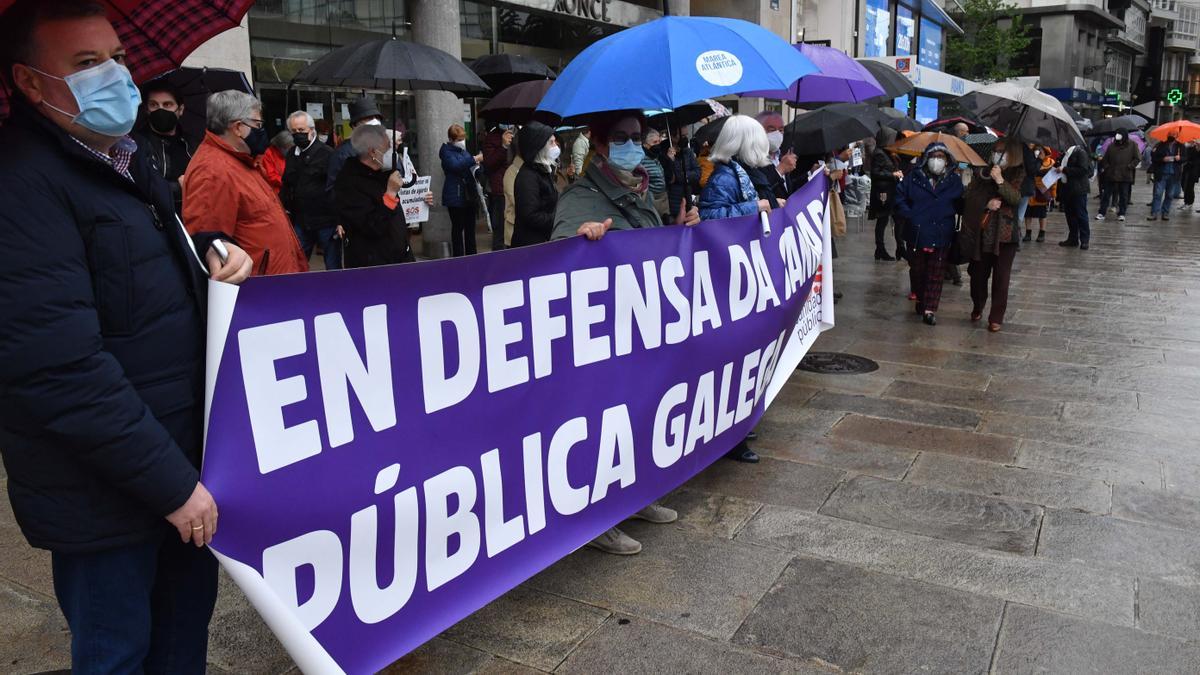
(304, 196)
(1077, 167)
(102, 299)
(161, 139)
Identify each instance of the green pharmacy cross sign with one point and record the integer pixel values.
(1175, 96)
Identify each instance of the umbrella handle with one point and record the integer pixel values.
(766, 223)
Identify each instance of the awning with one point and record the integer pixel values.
(928, 79)
(932, 10)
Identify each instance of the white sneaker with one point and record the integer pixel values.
(1099, 216)
(616, 542)
(1121, 218)
(659, 515)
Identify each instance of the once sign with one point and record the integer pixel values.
(596, 10)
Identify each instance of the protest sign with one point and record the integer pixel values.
(412, 200)
(393, 448)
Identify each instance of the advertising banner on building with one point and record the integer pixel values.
(393, 448)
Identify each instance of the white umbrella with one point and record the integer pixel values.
(1025, 113)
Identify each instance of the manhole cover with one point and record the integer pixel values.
(836, 363)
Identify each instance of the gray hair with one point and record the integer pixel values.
(651, 136)
(282, 141)
(369, 137)
(744, 138)
(297, 115)
(227, 107)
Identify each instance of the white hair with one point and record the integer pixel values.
(742, 137)
(297, 115)
(651, 136)
(227, 107)
(369, 137)
(543, 156)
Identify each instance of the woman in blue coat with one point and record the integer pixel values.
(729, 191)
(458, 192)
(930, 197)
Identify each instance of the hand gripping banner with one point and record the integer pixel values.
(393, 448)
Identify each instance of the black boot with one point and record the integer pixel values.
(1028, 235)
(742, 453)
(1041, 236)
(930, 319)
(882, 254)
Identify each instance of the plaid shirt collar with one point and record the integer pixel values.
(120, 156)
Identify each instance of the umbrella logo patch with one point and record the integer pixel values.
(719, 67)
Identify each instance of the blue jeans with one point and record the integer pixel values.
(1078, 225)
(139, 608)
(1165, 189)
(332, 247)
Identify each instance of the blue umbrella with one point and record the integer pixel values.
(673, 61)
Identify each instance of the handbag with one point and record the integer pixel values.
(837, 215)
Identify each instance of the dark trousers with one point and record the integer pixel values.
(881, 224)
(1189, 189)
(496, 216)
(925, 275)
(1118, 194)
(999, 268)
(329, 244)
(1080, 229)
(462, 230)
(138, 608)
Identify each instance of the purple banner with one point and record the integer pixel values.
(393, 448)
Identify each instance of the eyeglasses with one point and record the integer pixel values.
(257, 124)
(619, 137)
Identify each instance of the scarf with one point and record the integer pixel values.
(637, 180)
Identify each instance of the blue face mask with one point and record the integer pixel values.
(108, 99)
(627, 155)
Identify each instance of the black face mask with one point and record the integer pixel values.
(257, 141)
(163, 121)
(300, 140)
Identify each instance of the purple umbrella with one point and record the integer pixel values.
(1136, 139)
(839, 79)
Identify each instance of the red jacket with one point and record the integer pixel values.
(224, 192)
(272, 164)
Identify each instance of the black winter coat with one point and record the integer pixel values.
(303, 193)
(375, 234)
(682, 175)
(1078, 170)
(883, 183)
(102, 349)
(169, 157)
(535, 198)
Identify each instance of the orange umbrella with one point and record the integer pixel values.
(915, 145)
(1182, 130)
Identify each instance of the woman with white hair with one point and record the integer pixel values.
(534, 193)
(730, 190)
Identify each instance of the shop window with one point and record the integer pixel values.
(879, 28)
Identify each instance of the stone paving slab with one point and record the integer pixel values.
(903, 411)
(986, 478)
(1036, 641)
(529, 627)
(771, 481)
(1122, 545)
(33, 635)
(677, 579)
(1111, 467)
(925, 438)
(973, 399)
(858, 620)
(1087, 436)
(710, 514)
(1169, 609)
(1096, 594)
(943, 514)
(1156, 507)
(838, 453)
(636, 647)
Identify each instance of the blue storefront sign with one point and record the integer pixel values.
(1076, 95)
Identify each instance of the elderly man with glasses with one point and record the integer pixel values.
(224, 192)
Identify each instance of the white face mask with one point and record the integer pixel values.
(936, 165)
(462, 144)
(775, 138)
(386, 160)
(1119, 137)
(374, 122)
(553, 152)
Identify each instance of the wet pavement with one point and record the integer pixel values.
(1025, 501)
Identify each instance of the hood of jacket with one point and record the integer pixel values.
(951, 160)
(531, 139)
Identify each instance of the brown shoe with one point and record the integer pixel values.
(993, 328)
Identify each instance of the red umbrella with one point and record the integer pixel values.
(160, 34)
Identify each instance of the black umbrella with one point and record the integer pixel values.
(685, 115)
(947, 124)
(518, 104)
(871, 116)
(894, 84)
(1112, 125)
(824, 130)
(392, 64)
(709, 132)
(501, 71)
(194, 86)
(898, 120)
